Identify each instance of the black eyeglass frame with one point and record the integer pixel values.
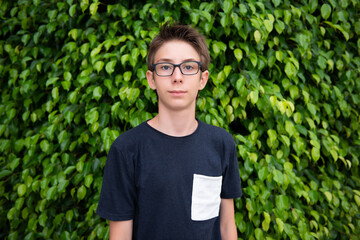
(176, 65)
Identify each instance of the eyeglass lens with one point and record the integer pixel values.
(186, 68)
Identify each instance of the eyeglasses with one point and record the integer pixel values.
(186, 68)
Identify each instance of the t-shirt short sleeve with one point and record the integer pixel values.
(231, 187)
(117, 197)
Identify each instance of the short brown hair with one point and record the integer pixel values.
(184, 33)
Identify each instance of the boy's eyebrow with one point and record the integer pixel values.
(170, 60)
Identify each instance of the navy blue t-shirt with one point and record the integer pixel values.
(170, 186)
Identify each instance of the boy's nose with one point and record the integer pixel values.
(177, 75)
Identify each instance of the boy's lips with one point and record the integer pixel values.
(177, 92)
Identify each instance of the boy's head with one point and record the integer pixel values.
(183, 33)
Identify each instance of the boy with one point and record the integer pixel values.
(173, 177)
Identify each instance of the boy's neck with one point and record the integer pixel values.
(177, 124)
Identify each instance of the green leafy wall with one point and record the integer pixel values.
(284, 81)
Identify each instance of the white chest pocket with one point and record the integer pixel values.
(205, 202)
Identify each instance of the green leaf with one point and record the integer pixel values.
(95, 51)
(279, 55)
(257, 36)
(62, 136)
(253, 59)
(72, 10)
(93, 8)
(208, 18)
(51, 81)
(81, 192)
(110, 67)
(88, 180)
(84, 49)
(253, 157)
(278, 176)
(25, 38)
(91, 116)
(80, 166)
(279, 26)
(288, 166)
(124, 58)
(55, 93)
(14, 163)
(51, 193)
(357, 28)
(268, 25)
(321, 62)
(69, 215)
(194, 16)
(267, 218)
(281, 106)
(280, 224)
(216, 48)
(325, 11)
(294, 91)
(263, 173)
(97, 93)
(315, 153)
(52, 14)
(69, 170)
(276, 2)
(2, 129)
(285, 140)
(290, 69)
(313, 4)
(44, 145)
(238, 54)
(227, 6)
(107, 144)
(67, 76)
(4, 173)
(259, 234)
(66, 85)
(282, 202)
(73, 33)
(69, 116)
(227, 70)
(334, 154)
(272, 135)
(21, 190)
(43, 219)
(312, 108)
(11, 113)
(71, 46)
(357, 200)
(127, 76)
(328, 196)
(99, 66)
(254, 96)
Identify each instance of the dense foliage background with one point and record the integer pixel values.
(284, 81)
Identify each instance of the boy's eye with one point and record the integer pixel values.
(165, 67)
(188, 67)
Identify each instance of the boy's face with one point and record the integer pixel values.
(177, 92)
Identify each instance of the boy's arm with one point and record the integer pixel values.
(121, 230)
(227, 220)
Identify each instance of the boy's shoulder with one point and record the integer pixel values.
(131, 136)
(218, 133)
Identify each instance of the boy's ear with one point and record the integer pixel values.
(204, 79)
(150, 79)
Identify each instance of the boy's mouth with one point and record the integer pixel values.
(177, 92)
